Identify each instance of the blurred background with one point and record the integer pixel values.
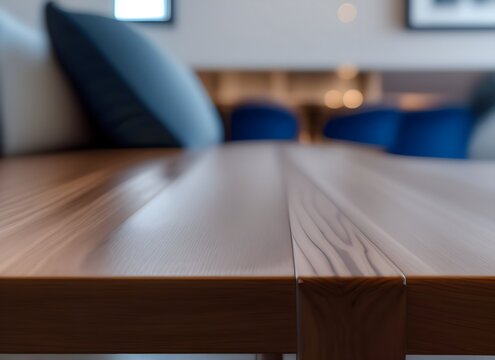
(320, 59)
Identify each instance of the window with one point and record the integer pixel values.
(143, 10)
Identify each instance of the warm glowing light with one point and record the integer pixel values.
(417, 101)
(334, 99)
(347, 12)
(353, 99)
(143, 10)
(347, 71)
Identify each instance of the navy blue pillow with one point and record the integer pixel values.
(138, 96)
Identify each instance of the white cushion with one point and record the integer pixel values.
(482, 143)
(38, 110)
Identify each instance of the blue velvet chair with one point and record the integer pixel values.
(436, 133)
(263, 121)
(374, 127)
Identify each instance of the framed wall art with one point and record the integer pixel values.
(450, 14)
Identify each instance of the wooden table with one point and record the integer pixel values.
(333, 252)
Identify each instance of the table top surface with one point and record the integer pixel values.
(145, 213)
(233, 211)
(244, 222)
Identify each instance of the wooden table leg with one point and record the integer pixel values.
(351, 297)
(351, 319)
(269, 356)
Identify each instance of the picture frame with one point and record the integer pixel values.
(450, 14)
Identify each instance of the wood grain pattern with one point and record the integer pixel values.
(451, 316)
(424, 232)
(147, 315)
(49, 227)
(159, 251)
(362, 318)
(351, 298)
(24, 177)
(272, 356)
(226, 216)
(132, 251)
(435, 219)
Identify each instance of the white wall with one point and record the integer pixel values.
(299, 34)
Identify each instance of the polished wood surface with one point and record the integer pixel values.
(430, 217)
(435, 220)
(451, 316)
(147, 315)
(331, 251)
(54, 210)
(225, 217)
(351, 298)
(140, 241)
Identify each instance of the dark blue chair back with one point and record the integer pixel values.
(435, 133)
(374, 127)
(263, 121)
